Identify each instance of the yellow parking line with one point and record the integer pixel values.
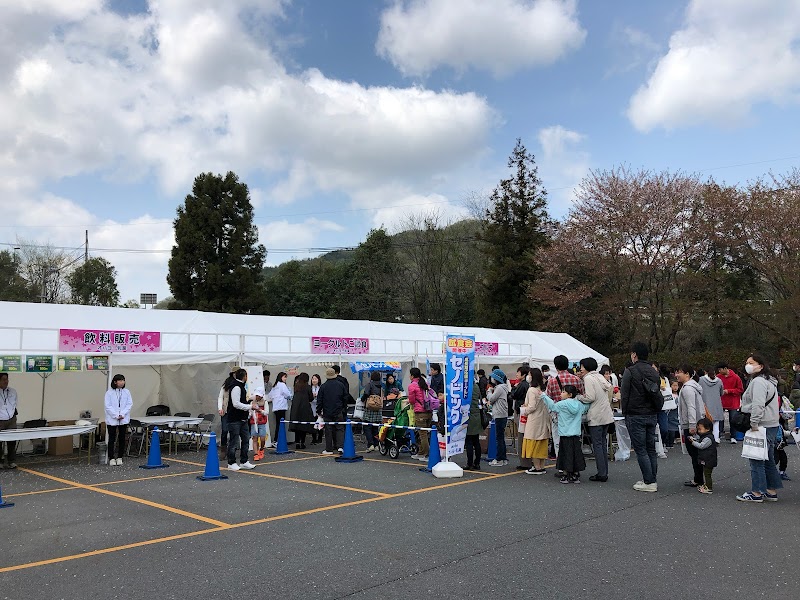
(61, 489)
(171, 509)
(51, 561)
(310, 482)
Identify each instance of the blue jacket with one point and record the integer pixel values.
(569, 413)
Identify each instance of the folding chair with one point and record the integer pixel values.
(31, 424)
(205, 428)
(137, 433)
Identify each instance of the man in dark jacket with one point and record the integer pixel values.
(437, 379)
(514, 403)
(331, 404)
(641, 415)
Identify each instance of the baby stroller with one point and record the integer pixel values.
(391, 440)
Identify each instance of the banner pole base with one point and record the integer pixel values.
(447, 470)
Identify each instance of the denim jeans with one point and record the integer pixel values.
(223, 432)
(642, 429)
(369, 432)
(764, 473)
(500, 434)
(599, 435)
(238, 432)
(731, 417)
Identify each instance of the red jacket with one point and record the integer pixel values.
(416, 397)
(732, 391)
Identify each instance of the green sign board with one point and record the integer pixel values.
(39, 364)
(70, 363)
(10, 364)
(97, 363)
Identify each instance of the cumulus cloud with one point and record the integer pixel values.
(196, 85)
(728, 56)
(501, 36)
(563, 163)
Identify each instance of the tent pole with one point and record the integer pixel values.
(44, 381)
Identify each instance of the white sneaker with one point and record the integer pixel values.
(496, 463)
(662, 456)
(119, 462)
(646, 487)
(233, 467)
(371, 449)
(248, 465)
(733, 441)
(422, 458)
(326, 453)
(112, 462)
(340, 450)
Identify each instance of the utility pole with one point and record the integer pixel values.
(86, 252)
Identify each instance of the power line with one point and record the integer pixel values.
(346, 210)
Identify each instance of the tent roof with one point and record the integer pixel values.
(190, 336)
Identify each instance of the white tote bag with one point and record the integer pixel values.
(754, 445)
(358, 412)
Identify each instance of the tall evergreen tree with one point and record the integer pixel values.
(94, 283)
(15, 288)
(216, 261)
(370, 292)
(518, 227)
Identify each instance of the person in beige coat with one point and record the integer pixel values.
(537, 427)
(600, 415)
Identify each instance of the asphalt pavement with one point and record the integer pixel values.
(302, 526)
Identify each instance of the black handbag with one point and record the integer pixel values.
(741, 420)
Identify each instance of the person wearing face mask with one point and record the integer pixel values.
(118, 404)
(760, 399)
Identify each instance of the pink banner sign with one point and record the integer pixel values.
(100, 340)
(487, 348)
(339, 345)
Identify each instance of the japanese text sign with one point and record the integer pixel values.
(487, 348)
(459, 373)
(339, 345)
(101, 340)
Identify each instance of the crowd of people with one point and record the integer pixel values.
(552, 415)
(555, 413)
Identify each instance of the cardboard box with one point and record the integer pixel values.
(60, 446)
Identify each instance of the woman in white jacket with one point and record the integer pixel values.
(279, 396)
(118, 404)
(600, 415)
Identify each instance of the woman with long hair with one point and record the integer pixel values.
(279, 396)
(301, 410)
(417, 390)
(371, 415)
(316, 381)
(537, 428)
(761, 400)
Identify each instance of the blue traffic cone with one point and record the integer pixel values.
(491, 447)
(283, 445)
(349, 455)
(212, 462)
(4, 504)
(434, 455)
(154, 456)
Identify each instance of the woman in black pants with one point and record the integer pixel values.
(118, 403)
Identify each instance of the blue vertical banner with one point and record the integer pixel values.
(459, 373)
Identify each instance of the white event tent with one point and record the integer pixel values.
(198, 349)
